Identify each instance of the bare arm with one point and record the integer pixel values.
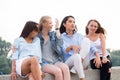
(13, 72)
(103, 44)
(57, 28)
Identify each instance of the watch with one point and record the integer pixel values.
(56, 28)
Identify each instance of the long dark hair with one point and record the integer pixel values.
(28, 28)
(99, 30)
(62, 27)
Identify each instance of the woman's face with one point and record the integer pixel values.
(48, 24)
(70, 24)
(33, 34)
(92, 26)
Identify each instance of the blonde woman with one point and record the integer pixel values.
(51, 50)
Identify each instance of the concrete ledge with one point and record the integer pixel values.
(90, 75)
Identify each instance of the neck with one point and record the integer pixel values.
(91, 34)
(69, 32)
(44, 32)
(29, 39)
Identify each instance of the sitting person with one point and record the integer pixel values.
(51, 42)
(100, 60)
(26, 58)
(73, 54)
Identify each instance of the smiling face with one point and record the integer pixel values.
(92, 27)
(48, 24)
(70, 24)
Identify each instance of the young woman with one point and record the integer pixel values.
(72, 45)
(26, 58)
(51, 50)
(100, 60)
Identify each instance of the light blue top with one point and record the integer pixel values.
(27, 49)
(75, 39)
(97, 44)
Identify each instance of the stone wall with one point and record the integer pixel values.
(90, 75)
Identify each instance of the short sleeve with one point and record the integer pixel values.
(93, 49)
(16, 52)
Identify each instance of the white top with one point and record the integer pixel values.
(97, 45)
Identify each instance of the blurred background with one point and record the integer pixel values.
(15, 13)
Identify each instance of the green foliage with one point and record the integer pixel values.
(115, 55)
(5, 64)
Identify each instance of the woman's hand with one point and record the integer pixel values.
(75, 48)
(97, 60)
(14, 49)
(14, 76)
(104, 60)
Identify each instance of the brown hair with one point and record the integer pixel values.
(28, 28)
(99, 30)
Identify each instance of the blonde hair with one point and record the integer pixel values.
(42, 21)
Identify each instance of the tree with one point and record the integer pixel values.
(5, 64)
(115, 55)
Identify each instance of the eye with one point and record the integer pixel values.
(70, 21)
(73, 21)
(91, 25)
(95, 26)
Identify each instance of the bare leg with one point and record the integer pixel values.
(31, 65)
(30, 77)
(82, 78)
(65, 70)
(54, 70)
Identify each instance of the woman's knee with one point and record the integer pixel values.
(64, 67)
(77, 57)
(30, 76)
(34, 60)
(58, 72)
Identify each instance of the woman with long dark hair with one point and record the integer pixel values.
(71, 45)
(26, 58)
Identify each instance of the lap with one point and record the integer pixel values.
(53, 68)
(19, 64)
(73, 59)
(61, 65)
(26, 65)
(50, 68)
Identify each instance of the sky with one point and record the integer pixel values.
(15, 13)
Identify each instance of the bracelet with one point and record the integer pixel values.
(56, 28)
(104, 56)
(71, 48)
